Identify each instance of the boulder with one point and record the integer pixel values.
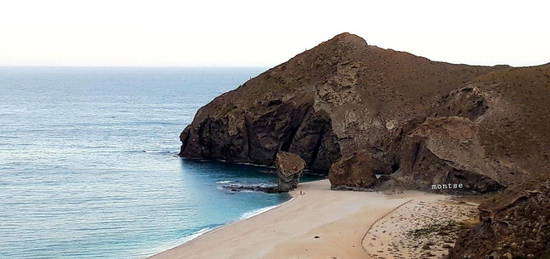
(357, 171)
(290, 168)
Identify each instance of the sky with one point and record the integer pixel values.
(265, 33)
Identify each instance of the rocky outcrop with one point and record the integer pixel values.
(364, 110)
(356, 172)
(432, 123)
(516, 225)
(290, 168)
(444, 154)
(337, 98)
(234, 187)
(481, 135)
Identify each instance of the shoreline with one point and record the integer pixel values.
(316, 222)
(200, 233)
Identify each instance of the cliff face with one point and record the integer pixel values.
(340, 96)
(432, 123)
(421, 124)
(496, 126)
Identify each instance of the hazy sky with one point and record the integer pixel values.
(262, 33)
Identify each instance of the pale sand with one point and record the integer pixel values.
(339, 219)
(419, 229)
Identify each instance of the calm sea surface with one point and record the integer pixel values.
(88, 164)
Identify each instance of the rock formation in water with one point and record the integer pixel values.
(236, 187)
(290, 168)
(421, 124)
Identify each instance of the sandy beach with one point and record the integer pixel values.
(322, 223)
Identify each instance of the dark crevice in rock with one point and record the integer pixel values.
(315, 142)
(317, 147)
(288, 135)
(395, 166)
(327, 153)
(248, 134)
(204, 130)
(274, 102)
(415, 154)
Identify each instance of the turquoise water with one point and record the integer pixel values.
(88, 164)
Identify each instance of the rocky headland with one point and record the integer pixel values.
(374, 118)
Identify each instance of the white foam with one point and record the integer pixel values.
(185, 239)
(175, 243)
(224, 182)
(253, 213)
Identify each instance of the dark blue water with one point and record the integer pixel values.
(88, 164)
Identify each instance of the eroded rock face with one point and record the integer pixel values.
(290, 168)
(514, 226)
(430, 122)
(445, 151)
(337, 98)
(418, 121)
(356, 172)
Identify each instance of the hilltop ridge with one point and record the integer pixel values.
(415, 123)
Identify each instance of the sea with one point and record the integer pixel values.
(89, 165)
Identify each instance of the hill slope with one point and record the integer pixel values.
(421, 124)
